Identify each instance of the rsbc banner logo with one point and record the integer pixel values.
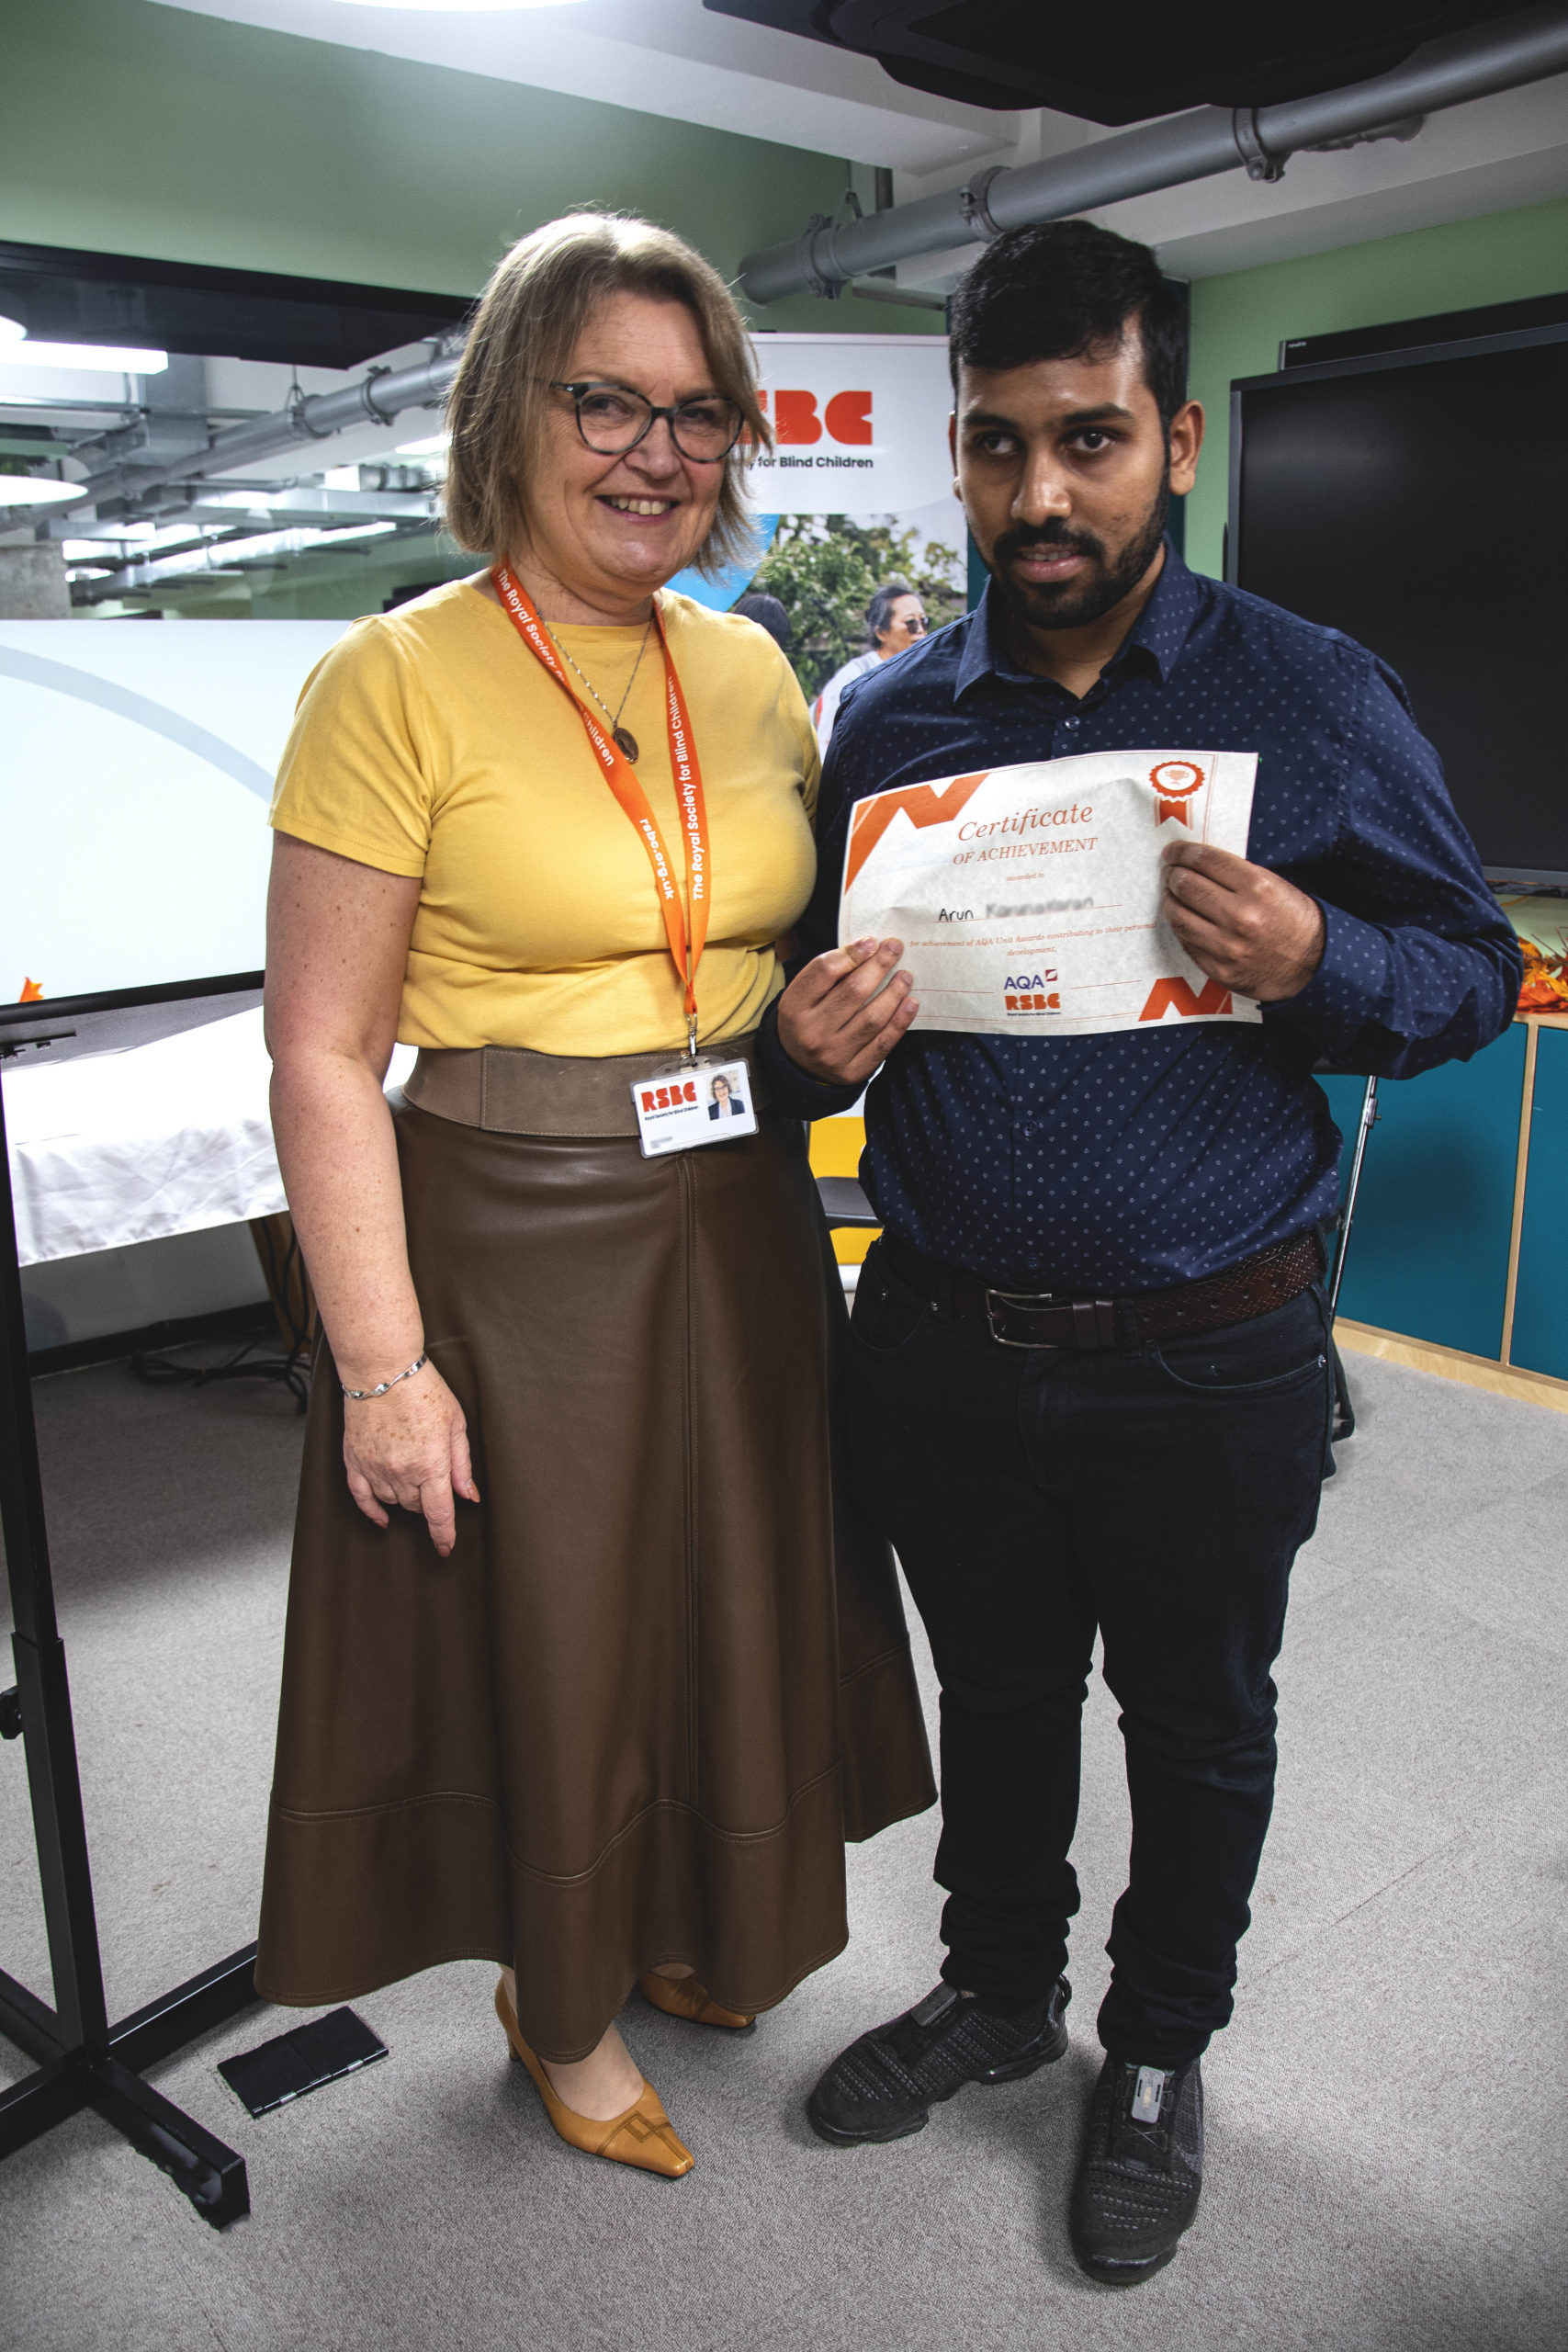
(860, 424)
(667, 1098)
(846, 417)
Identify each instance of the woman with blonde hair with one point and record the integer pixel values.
(584, 1672)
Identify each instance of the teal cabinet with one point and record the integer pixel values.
(1430, 1254)
(1541, 1306)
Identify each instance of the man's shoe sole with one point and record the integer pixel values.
(1123, 2273)
(1012, 2074)
(1111, 2273)
(837, 2138)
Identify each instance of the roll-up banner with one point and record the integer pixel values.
(856, 494)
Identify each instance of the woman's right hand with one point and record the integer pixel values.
(410, 1448)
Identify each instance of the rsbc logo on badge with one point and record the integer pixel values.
(667, 1098)
(676, 1109)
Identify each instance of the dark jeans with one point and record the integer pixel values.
(1159, 1493)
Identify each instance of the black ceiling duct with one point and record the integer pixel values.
(1143, 60)
(62, 296)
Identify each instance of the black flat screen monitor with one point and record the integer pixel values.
(1420, 501)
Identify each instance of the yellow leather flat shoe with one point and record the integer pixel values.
(682, 1996)
(642, 2136)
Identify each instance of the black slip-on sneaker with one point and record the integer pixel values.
(884, 2085)
(1141, 2169)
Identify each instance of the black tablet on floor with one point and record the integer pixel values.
(301, 2061)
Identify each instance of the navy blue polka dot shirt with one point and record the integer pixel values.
(1121, 1163)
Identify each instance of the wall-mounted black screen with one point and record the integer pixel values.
(1422, 507)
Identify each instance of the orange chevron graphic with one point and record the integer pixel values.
(921, 803)
(1211, 998)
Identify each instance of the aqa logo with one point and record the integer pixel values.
(1028, 994)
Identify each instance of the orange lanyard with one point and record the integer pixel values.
(685, 926)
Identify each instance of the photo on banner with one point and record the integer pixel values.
(856, 492)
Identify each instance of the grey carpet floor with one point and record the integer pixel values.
(1387, 2116)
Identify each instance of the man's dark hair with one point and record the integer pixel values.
(1062, 290)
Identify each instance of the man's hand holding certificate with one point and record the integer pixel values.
(1031, 900)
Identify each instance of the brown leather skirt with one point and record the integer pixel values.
(662, 1676)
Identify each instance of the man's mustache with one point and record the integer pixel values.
(1024, 536)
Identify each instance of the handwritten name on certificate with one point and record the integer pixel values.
(1028, 899)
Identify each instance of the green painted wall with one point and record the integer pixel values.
(133, 129)
(1239, 321)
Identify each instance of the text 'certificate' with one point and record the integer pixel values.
(1028, 899)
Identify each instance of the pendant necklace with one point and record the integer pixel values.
(625, 740)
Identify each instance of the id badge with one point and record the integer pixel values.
(707, 1101)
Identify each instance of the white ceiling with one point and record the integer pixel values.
(674, 59)
(671, 58)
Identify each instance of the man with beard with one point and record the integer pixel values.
(1088, 1380)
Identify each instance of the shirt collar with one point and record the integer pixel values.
(1163, 627)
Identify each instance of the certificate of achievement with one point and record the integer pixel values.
(1028, 899)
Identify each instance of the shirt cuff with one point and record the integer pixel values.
(795, 1093)
(1348, 991)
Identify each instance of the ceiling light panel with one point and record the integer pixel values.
(82, 358)
(459, 7)
(35, 490)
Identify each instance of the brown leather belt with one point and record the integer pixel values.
(1057, 1319)
(513, 1091)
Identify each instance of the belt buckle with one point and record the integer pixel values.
(1094, 1320)
(1030, 1300)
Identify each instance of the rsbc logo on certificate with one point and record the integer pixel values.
(1028, 899)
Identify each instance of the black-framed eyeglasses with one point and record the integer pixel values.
(611, 420)
(916, 624)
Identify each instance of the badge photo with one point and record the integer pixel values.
(700, 1102)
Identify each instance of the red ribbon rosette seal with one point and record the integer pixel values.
(1176, 781)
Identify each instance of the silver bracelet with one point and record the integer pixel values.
(359, 1395)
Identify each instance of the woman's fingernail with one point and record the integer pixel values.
(863, 947)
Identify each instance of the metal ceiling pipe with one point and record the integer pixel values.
(1169, 153)
(375, 399)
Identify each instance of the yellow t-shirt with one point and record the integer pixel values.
(432, 742)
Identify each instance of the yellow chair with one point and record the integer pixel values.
(836, 1147)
